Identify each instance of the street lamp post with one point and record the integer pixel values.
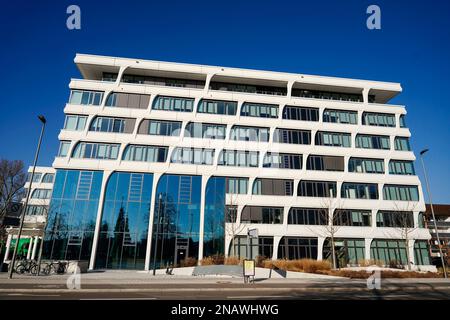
(24, 209)
(432, 211)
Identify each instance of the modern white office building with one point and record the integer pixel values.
(35, 214)
(166, 163)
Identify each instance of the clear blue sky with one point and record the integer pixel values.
(312, 37)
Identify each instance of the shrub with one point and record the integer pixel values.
(188, 262)
(232, 261)
(370, 262)
(301, 265)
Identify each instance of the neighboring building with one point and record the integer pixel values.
(160, 162)
(442, 214)
(35, 217)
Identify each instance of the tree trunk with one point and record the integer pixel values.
(333, 252)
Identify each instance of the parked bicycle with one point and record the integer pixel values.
(57, 267)
(26, 266)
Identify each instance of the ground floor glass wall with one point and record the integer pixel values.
(72, 215)
(297, 248)
(214, 222)
(176, 224)
(124, 226)
(347, 251)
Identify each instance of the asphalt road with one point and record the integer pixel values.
(234, 289)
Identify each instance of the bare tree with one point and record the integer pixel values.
(232, 226)
(12, 180)
(328, 228)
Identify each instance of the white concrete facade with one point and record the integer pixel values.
(91, 67)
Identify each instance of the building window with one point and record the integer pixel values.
(205, 130)
(326, 189)
(261, 247)
(236, 185)
(348, 251)
(41, 194)
(325, 163)
(389, 251)
(88, 150)
(378, 119)
(402, 144)
(193, 156)
(340, 116)
(217, 107)
(359, 190)
(400, 192)
(421, 253)
(421, 220)
(63, 150)
(283, 160)
(122, 239)
(402, 121)
(365, 165)
(292, 136)
(273, 187)
(366, 141)
(35, 210)
(264, 215)
(173, 104)
(300, 113)
(75, 122)
(238, 158)
(259, 110)
(334, 139)
(145, 153)
(249, 88)
(395, 219)
(86, 98)
(294, 248)
(328, 95)
(352, 218)
(36, 178)
(402, 167)
(231, 213)
(160, 128)
(48, 178)
(308, 216)
(242, 133)
(115, 125)
(163, 81)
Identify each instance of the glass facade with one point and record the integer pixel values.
(400, 192)
(292, 136)
(238, 158)
(282, 160)
(389, 251)
(176, 224)
(193, 156)
(297, 248)
(242, 133)
(72, 215)
(422, 252)
(402, 167)
(359, 190)
(348, 251)
(214, 222)
(402, 144)
(75, 122)
(89, 150)
(124, 226)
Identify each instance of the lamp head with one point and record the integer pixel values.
(424, 151)
(42, 119)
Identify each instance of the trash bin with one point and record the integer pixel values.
(4, 267)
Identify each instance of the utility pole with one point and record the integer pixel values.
(24, 209)
(432, 212)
